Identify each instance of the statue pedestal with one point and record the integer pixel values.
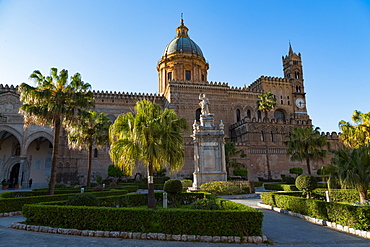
(209, 152)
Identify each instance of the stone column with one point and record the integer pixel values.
(209, 151)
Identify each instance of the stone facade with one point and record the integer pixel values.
(182, 76)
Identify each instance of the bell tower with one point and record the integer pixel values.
(292, 68)
(182, 60)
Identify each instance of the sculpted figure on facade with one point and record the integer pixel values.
(204, 104)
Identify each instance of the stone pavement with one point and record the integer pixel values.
(281, 230)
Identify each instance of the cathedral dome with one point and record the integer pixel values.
(182, 43)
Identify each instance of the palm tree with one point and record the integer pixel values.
(54, 101)
(266, 102)
(306, 144)
(230, 153)
(357, 134)
(92, 130)
(353, 169)
(150, 135)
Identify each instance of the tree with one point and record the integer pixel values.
(357, 134)
(306, 144)
(91, 130)
(230, 153)
(56, 100)
(266, 102)
(150, 135)
(114, 171)
(353, 169)
(296, 170)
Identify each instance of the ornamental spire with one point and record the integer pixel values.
(182, 30)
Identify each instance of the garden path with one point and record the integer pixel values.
(285, 230)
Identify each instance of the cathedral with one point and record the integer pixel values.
(182, 76)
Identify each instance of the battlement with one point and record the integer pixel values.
(256, 85)
(8, 88)
(331, 136)
(125, 95)
(211, 83)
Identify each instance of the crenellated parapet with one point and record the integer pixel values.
(257, 84)
(8, 88)
(331, 136)
(125, 95)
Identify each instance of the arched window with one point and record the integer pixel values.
(95, 153)
(237, 115)
(188, 75)
(272, 136)
(279, 114)
(197, 114)
(248, 113)
(296, 75)
(262, 136)
(259, 114)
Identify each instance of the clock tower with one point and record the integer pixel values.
(292, 67)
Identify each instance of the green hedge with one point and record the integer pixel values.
(286, 187)
(239, 220)
(340, 195)
(16, 204)
(344, 214)
(280, 187)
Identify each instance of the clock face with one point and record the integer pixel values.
(300, 103)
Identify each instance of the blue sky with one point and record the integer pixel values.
(115, 45)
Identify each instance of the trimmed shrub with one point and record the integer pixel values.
(240, 172)
(204, 204)
(306, 183)
(240, 220)
(60, 186)
(258, 183)
(83, 199)
(186, 184)
(113, 185)
(97, 188)
(280, 187)
(289, 180)
(225, 188)
(357, 217)
(296, 170)
(173, 187)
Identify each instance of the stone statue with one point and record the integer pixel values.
(204, 103)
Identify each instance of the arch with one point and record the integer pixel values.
(249, 113)
(279, 114)
(12, 131)
(237, 112)
(36, 135)
(259, 114)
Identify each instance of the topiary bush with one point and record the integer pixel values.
(205, 204)
(83, 199)
(185, 184)
(97, 188)
(306, 184)
(173, 187)
(240, 172)
(296, 170)
(289, 180)
(225, 188)
(113, 185)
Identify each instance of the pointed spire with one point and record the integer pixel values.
(182, 30)
(290, 49)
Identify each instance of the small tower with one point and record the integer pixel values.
(182, 60)
(292, 67)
